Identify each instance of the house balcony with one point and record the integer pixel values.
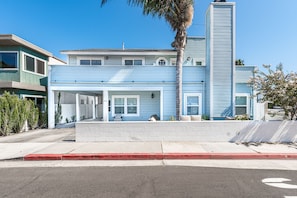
(116, 75)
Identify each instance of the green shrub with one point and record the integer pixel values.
(14, 112)
(242, 117)
(33, 115)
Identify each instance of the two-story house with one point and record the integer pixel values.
(133, 84)
(24, 68)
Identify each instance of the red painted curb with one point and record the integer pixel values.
(35, 157)
(157, 156)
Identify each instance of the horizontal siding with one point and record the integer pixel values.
(244, 73)
(195, 48)
(222, 68)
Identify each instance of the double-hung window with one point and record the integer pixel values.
(241, 105)
(125, 105)
(8, 60)
(193, 104)
(33, 64)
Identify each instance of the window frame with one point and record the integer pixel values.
(35, 65)
(17, 60)
(199, 95)
(89, 58)
(126, 105)
(247, 104)
(162, 58)
(133, 60)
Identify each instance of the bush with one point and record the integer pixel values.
(242, 117)
(33, 115)
(14, 112)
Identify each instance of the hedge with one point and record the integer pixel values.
(14, 113)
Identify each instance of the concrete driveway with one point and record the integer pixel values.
(41, 136)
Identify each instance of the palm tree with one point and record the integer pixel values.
(179, 14)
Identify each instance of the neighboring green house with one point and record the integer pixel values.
(24, 68)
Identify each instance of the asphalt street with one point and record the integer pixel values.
(146, 182)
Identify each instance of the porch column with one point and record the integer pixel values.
(94, 107)
(51, 109)
(77, 109)
(105, 106)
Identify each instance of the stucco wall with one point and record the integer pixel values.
(205, 131)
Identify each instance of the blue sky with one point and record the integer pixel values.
(266, 29)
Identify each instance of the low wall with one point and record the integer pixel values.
(204, 131)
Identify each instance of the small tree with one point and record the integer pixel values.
(278, 88)
(239, 62)
(58, 112)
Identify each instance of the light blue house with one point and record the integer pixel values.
(133, 84)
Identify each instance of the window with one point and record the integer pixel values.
(90, 62)
(35, 65)
(193, 104)
(133, 61)
(199, 62)
(125, 105)
(161, 61)
(8, 60)
(241, 105)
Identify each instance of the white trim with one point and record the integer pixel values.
(35, 64)
(161, 58)
(199, 95)
(121, 53)
(133, 58)
(125, 104)
(22, 42)
(17, 61)
(79, 58)
(32, 96)
(234, 55)
(211, 61)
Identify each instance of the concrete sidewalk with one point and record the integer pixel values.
(59, 144)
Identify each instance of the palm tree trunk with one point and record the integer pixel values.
(179, 44)
(179, 82)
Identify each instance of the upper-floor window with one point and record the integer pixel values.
(35, 65)
(199, 62)
(8, 60)
(133, 61)
(89, 60)
(161, 61)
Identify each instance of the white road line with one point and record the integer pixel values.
(278, 182)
